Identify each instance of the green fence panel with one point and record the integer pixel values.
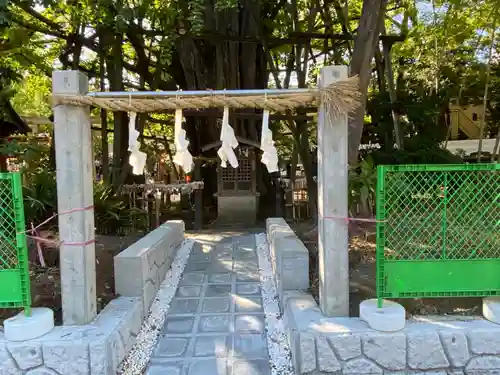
(438, 231)
(14, 272)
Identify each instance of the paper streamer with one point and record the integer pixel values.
(270, 154)
(229, 142)
(137, 158)
(182, 157)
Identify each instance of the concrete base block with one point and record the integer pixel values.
(96, 348)
(23, 328)
(390, 318)
(491, 309)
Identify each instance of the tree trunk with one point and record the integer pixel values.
(104, 123)
(392, 95)
(372, 17)
(120, 119)
(485, 97)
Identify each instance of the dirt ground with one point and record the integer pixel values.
(46, 285)
(362, 272)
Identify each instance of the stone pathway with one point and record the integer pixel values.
(215, 324)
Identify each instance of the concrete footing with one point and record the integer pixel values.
(391, 317)
(491, 309)
(23, 328)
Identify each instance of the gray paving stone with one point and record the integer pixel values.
(192, 278)
(197, 266)
(223, 256)
(257, 367)
(219, 278)
(200, 257)
(247, 276)
(208, 367)
(221, 266)
(166, 369)
(171, 347)
(183, 306)
(178, 325)
(188, 291)
(249, 323)
(241, 256)
(248, 289)
(248, 304)
(228, 337)
(245, 265)
(216, 305)
(218, 291)
(214, 323)
(250, 346)
(211, 346)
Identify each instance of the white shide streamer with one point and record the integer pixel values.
(182, 156)
(277, 336)
(137, 158)
(137, 360)
(229, 142)
(270, 154)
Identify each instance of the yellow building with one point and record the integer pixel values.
(465, 121)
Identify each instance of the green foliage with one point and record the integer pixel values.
(415, 154)
(362, 186)
(32, 96)
(40, 196)
(112, 216)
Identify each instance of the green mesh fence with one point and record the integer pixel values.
(14, 273)
(438, 231)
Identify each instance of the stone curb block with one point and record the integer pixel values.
(148, 260)
(430, 345)
(289, 257)
(93, 349)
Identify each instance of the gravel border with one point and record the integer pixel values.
(137, 360)
(280, 356)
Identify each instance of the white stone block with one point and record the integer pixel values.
(23, 328)
(455, 346)
(307, 349)
(7, 364)
(484, 341)
(67, 357)
(346, 346)
(100, 363)
(425, 351)
(327, 361)
(483, 365)
(361, 366)
(390, 318)
(387, 350)
(42, 371)
(27, 354)
(491, 309)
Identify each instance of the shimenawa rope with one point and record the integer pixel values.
(341, 97)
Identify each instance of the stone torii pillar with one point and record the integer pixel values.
(333, 204)
(75, 199)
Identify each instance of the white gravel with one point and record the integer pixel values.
(137, 360)
(280, 357)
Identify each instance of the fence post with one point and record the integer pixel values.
(74, 200)
(332, 204)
